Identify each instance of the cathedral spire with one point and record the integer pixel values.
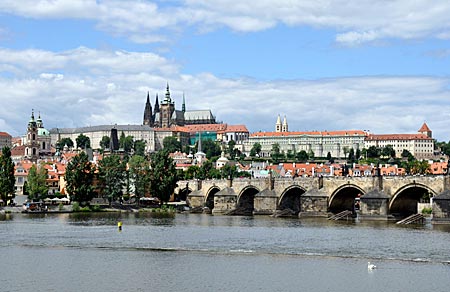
(156, 105)
(183, 106)
(148, 118)
(167, 98)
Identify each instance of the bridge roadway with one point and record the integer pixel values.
(380, 196)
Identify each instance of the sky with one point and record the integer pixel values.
(375, 65)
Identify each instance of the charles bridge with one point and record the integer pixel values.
(376, 197)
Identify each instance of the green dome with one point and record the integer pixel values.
(43, 132)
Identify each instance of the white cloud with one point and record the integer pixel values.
(113, 86)
(354, 22)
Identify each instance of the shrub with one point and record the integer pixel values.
(427, 210)
(76, 207)
(60, 207)
(96, 208)
(85, 209)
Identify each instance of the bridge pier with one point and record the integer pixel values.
(313, 203)
(374, 206)
(441, 208)
(224, 201)
(265, 202)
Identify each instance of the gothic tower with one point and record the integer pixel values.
(148, 117)
(285, 125)
(425, 130)
(32, 143)
(278, 125)
(166, 110)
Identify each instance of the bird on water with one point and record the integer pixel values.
(370, 266)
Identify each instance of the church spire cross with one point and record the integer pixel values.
(167, 99)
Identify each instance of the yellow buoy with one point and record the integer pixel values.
(119, 224)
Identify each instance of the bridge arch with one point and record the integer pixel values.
(209, 201)
(183, 193)
(404, 202)
(290, 198)
(343, 198)
(246, 200)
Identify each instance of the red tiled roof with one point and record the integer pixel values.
(236, 128)
(206, 127)
(418, 136)
(18, 151)
(4, 134)
(424, 128)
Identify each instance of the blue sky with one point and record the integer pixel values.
(326, 65)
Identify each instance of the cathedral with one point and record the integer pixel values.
(164, 115)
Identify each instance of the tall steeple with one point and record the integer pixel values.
(40, 124)
(285, 125)
(156, 105)
(167, 98)
(148, 118)
(278, 125)
(183, 106)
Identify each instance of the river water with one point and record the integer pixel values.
(192, 252)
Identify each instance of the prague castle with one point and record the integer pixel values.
(165, 115)
(162, 121)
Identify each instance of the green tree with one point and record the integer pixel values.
(231, 150)
(211, 148)
(388, 151)
(407, 154)
(171, 144)
(346, 150)
(373, 152)
(276, 154)
(83, 141)
(358, 154)
(111, 176)
(7, 179)
(302, 156)
(79, 177)
(256, 150)
(163, 175)
(126, 142)
(351, 155)
(37, 182)
(139, 147)
(139, 170)
(192, 172)
(63, 142)
(419, 167)
(104, 143)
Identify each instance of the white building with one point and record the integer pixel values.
(421, 144)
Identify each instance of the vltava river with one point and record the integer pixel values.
(73, 252)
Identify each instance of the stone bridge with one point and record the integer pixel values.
(378, 197)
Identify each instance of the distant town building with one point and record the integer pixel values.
(5, 140)
(317, 142)
(420, 145)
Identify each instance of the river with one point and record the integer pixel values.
(193, 252)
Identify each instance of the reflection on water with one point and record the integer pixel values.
(72, 252)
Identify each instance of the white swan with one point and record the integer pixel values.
(371, 266)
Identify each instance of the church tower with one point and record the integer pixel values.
(183, 107)
(148, 117)
(32, 143)
(166, 110)
(425, 130)
(278, 125)
(285, 125)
